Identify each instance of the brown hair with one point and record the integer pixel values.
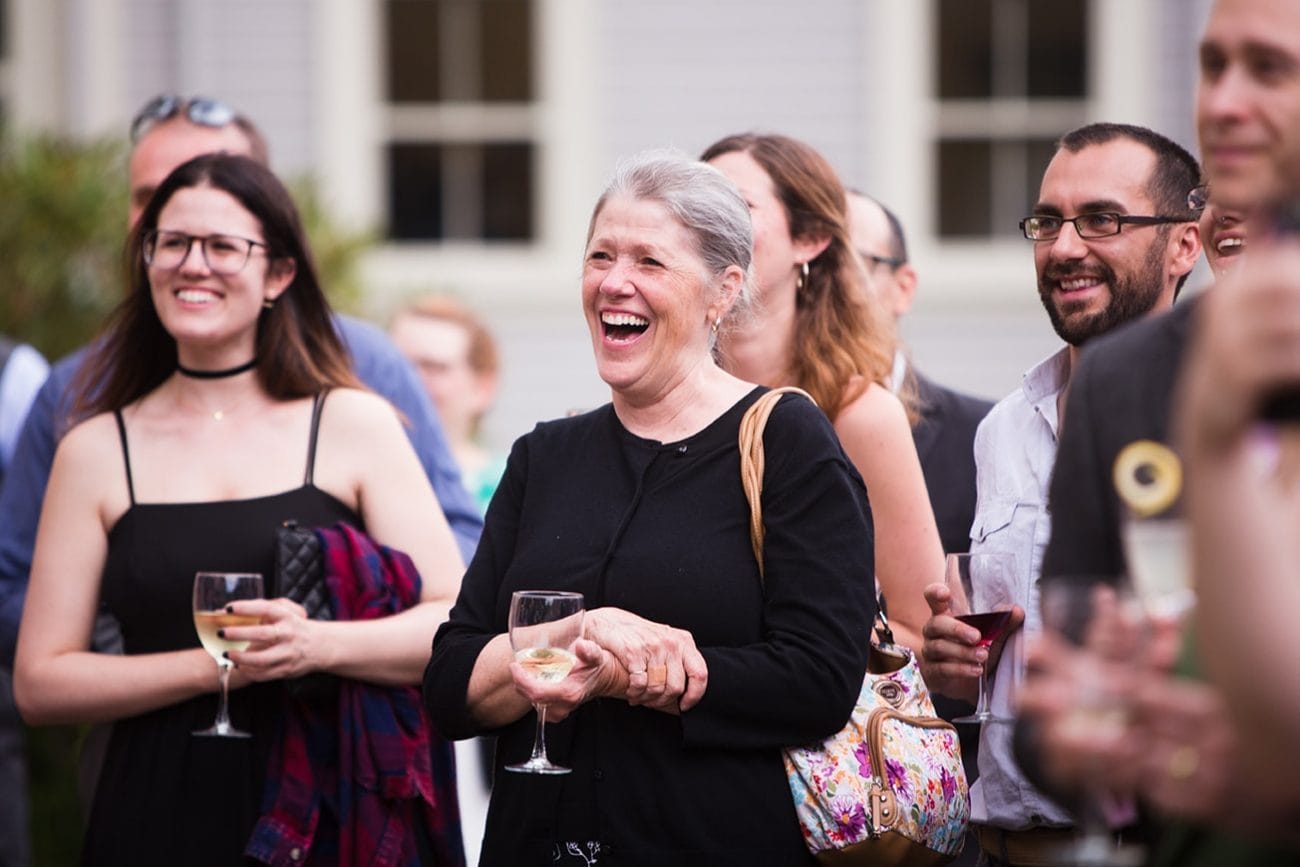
(298, 351)
(842, 343)
(483, 358)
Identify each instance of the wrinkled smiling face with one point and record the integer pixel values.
(1089, 286)
(648, 299)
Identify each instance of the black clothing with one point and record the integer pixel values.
(945, 443)
(661, 530)
(1121, 391)
(164, 796)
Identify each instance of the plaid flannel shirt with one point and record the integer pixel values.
(370, 763)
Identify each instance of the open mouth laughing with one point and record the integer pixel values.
(623, 327)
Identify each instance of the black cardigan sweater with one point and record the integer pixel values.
(661, 530)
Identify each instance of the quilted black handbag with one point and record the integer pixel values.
(300, 570)
(300, 576)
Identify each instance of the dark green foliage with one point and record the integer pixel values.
(62, 230)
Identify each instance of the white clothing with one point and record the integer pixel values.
(1015, 448)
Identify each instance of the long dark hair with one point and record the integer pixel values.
(839, 335)
(298, 351)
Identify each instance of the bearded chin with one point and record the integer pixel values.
(1076, 330)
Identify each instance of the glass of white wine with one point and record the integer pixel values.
(213, 591)
(544, 626)
(1159, 565)
(1093, 615)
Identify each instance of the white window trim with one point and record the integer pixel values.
(357, 123)
(998, 270)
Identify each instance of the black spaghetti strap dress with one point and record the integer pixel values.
(165, 796)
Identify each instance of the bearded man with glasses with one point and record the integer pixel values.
(1113, 241)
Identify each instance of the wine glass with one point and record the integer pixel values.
(213, 591)
(544, 626)
(983, 587)
(1094, 616)
(1159, 564)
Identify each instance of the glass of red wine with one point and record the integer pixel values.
(983, 587)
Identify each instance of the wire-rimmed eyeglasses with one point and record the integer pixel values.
(224, 254)
(1101, 224)
(200, 110)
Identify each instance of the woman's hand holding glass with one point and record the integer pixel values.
(282, 642)
(214, 597)
(666, 671)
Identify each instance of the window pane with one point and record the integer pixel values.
(965, 187)
(414, 191)
(506, 50)
(1058, 48)
(1040, 153)
(508, 191)
(461, 191)
(412, 40)
(965, 51)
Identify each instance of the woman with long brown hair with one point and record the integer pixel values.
(814, 326)
(206, 425)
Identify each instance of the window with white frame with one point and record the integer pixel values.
(461, 121)
(1011, 78)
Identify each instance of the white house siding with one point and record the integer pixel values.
(615, 76)
(254, 54)
(685, 73)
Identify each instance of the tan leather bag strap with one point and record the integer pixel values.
(752, 461)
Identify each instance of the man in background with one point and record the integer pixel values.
(1113, 241)
(22, 371)
(945, 432)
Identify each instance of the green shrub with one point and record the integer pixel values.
(63, 231)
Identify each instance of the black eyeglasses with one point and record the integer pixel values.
(1103, 224)
(224, 254)
(200, 110)
(872, 260)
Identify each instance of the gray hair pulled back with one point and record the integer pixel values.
(701, 199)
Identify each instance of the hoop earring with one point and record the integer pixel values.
(268, 303)
(715, 325)
(803, 277)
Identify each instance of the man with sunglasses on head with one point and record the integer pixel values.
(167, 132)
(1113, 241)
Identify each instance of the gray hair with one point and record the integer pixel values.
(702, 200)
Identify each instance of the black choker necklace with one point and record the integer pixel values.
(216, 374)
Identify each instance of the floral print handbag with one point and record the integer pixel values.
(888, 788)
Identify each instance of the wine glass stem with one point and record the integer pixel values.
(539, 739)
(982, 705)
(223, 713)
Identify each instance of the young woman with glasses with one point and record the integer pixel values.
(206, 425)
